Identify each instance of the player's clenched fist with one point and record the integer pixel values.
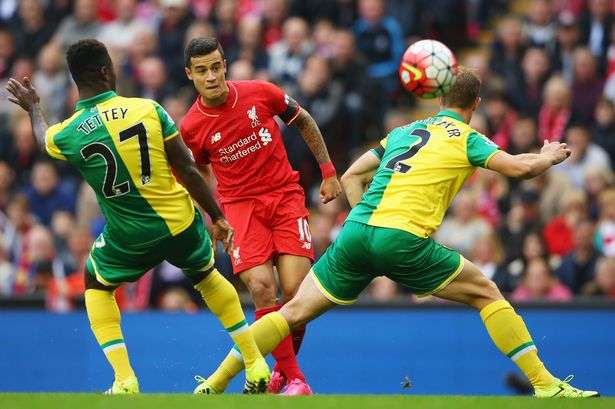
(330, 189)
(558, 151)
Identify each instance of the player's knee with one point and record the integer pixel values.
(264, 293)
(487, 293)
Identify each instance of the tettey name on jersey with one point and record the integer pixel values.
(245, 146)
(93, 122)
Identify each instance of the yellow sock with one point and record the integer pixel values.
(268, 332)
(104, 316)
(510, 335)
(222, 299)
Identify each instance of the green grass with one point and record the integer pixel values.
(172, 401)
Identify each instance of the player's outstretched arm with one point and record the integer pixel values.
(358, 176)
(330, 187)
(187, 171)
(529, 165)
(26, 97)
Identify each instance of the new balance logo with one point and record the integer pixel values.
(215, 137)
(265, 136)
(252, 115)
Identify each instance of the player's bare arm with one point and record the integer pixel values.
(330, 187)
(358, 176)
(529, 165)
(26, 97)
(187, 171)
(206, 172)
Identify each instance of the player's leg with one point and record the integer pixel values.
(101, 276)
(507, 330)
(274, 327)
(292, 241)
(191, 251)
(337, 278)
(292, 270)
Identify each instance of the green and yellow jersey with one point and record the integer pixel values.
(423, 166)
(117, 144)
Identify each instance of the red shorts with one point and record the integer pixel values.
(269, 225)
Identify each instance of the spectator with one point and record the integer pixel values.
(16, 232)
(605, 231)
(604, 283)
(539, 283)
(224, 22)
(172, 28)
(567, 40)
(559, 232)
(508, 49)
(121, 33)
(26, 152)
(79, 25)
(51, 82)
(274, 14)
(45, 194)
(596, 179)
(7, 178)
(522, 219)
(526, 96)
(539, 25)
(596, 26)
(350, 70)
(523, 136)
(603, 130)
(153, 82)
(287, 57)
(578, 266)
(380, 39)
(7, 53)
(499, 114)
(249, 47)
(584, 153)
(31, 28)
(586, 85)
(556, 111)
(383, 289)
(177, 299)
(488, 255)
(460, 230)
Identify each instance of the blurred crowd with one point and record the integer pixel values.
(548, 70)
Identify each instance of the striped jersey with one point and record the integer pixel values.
(117, 144)
(423, 166)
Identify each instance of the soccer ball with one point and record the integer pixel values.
(428, 69)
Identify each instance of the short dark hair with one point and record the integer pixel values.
(201, 46)
(85, 59)
(465, 90)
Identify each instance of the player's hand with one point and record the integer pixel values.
(330, 189)
(558, 151)
(23, 95)
(223, 232)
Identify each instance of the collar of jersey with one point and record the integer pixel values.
(216, 111)
(96, 99)
(451, 114)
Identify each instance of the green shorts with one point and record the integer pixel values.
(114, 263)
(361, 253)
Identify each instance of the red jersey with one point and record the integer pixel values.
(242, 140)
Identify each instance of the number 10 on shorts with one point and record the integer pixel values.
(304, 232)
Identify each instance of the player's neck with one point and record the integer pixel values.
(89, 92)
(465, 114)
(216, 102)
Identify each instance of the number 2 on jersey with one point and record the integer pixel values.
(110, 188)
(395, 163)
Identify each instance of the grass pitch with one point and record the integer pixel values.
(172, 401)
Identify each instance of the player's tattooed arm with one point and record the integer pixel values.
(312, 136)
(358, 176)
(330, 187)
(26, 97)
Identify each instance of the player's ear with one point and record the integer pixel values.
(188, 73)
(476, 104)
(224, 64)
(440, 103)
